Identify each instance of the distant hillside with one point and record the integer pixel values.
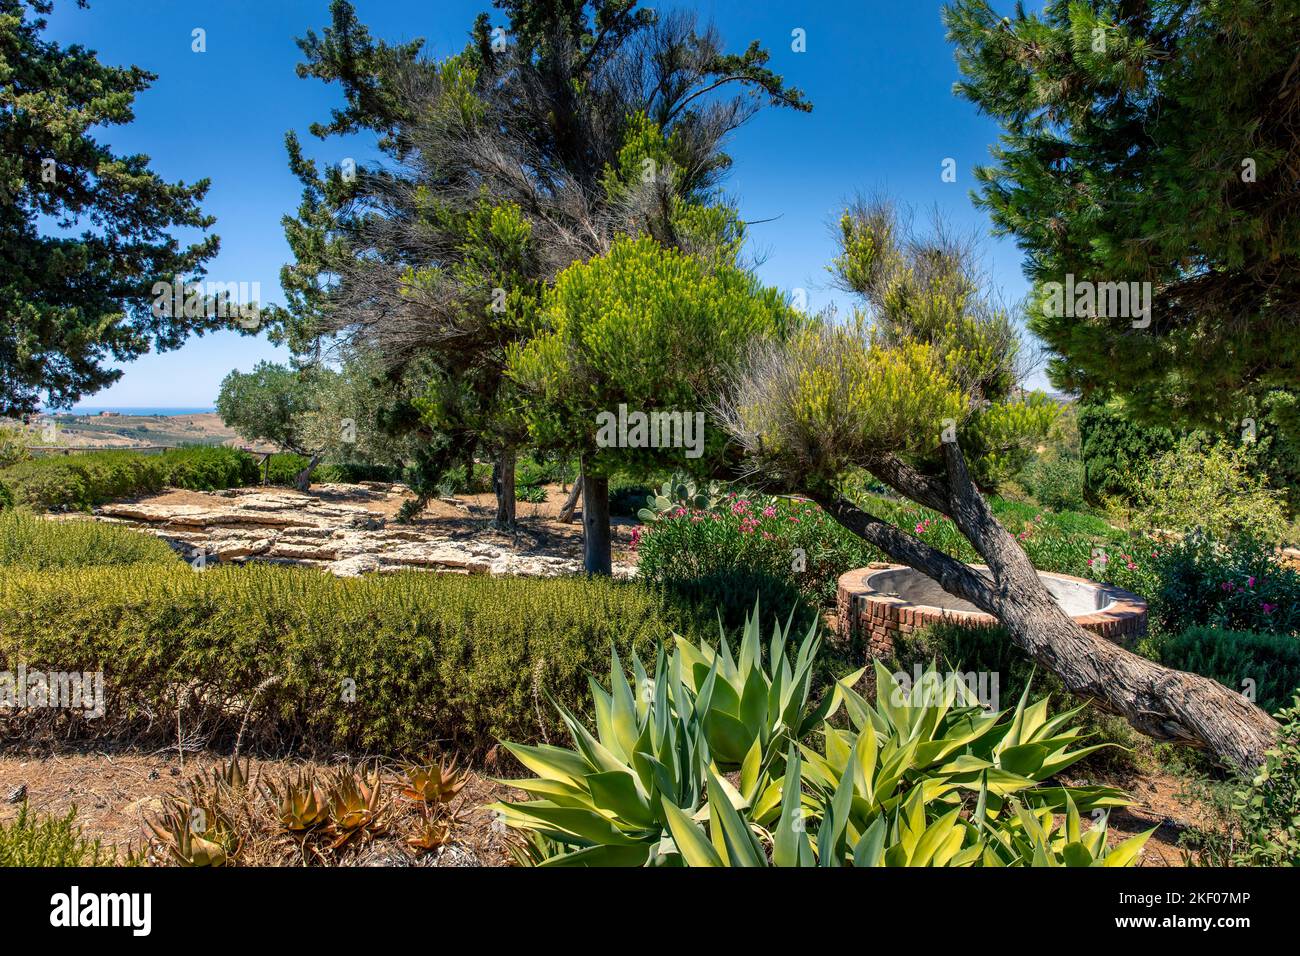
(134, 431)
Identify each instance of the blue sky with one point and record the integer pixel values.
(878, 72)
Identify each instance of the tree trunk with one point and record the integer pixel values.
(571, 503)
(302, 481)
(503, 483)
(1160, 702)
(597, 557)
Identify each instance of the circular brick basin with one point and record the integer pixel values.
(878, 603)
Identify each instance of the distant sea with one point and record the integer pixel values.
(159, 410)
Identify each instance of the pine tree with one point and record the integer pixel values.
(72, 302)
(1150, 141)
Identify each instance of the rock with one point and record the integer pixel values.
(355, 566)
(17, 795)
(330, 529)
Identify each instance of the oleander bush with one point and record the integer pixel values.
(800, 550)
(82, 481)
(1196, 581)
(36, 544)
(393, 663)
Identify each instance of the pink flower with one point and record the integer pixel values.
(636, 538)
(1250, 581)
(1268, 608)
(769, 512)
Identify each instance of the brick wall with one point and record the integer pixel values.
(872, 621)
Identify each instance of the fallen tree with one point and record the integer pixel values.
(929, 370)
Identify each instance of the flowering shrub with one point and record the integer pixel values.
(1198, 581)
(789, 549)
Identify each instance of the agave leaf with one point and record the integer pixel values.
(601, 856)
(1125, 853)
(692, 842)
(732, 836)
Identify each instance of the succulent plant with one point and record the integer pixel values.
(433, 782)
(175, 836)
(299, 802)
(681, 491)
(433, 830)
(354, 798)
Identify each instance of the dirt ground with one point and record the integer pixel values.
(115, 792)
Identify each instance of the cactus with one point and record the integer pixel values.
(681, 491)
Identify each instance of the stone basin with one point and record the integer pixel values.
(879, 603)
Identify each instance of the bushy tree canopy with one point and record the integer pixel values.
(73, 302)
(1150, 142)
(643, 326)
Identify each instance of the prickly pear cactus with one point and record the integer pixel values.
(680, 491)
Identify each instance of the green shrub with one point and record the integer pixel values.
(534, 494)
(283, 468)
(82, 481)
(1112, 447)
(32, 840)
(434, 659)
(1214, 488)
(351, 473)
(37, 544)
(6, 497)
(1270, 661)
(1198, 582)
(209, 468)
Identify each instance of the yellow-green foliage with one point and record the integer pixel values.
(458, 660)
(643, 325)
(1217, 488)
(34, 840)
(831, 399)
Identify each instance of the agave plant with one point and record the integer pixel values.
(433, 830)
(355, 808)
(937, 735)
(206, 823)
(603, 801)
(681, 491)
(175, 835)
(746, 706)
(1032, 838)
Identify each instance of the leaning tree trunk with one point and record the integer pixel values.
(302, 481)
(1160, 702)
(597, 554)
(571, 502)
(503, 483)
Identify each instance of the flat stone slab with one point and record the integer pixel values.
(343, 537)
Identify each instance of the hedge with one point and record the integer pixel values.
(452, 660)
(82, 481)
(38, 544)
